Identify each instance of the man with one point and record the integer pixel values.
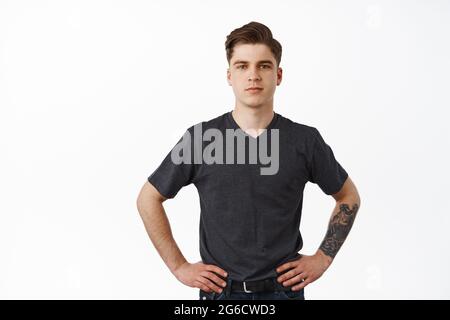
(250, 202)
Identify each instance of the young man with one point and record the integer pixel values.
(251, 202)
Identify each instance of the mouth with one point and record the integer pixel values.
(254, 89)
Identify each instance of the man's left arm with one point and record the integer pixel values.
(307, 269)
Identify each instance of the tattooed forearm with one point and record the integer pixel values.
(338, 229)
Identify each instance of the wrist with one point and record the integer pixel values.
(325, 258)
(176, 270)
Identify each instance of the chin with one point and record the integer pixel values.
(254, 104)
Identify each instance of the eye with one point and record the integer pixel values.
(265, 66)
(241, 66)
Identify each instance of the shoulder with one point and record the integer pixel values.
(214, 123)
(299, 131)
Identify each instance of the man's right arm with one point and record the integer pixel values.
(199, 275)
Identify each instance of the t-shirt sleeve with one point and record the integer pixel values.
(170, 177)
(325, 170)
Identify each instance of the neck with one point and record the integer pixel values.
(253, 120)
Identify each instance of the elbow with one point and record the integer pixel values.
(148, 197)
(348, 193)
(356, 200)
(354, 197)
(350, 198)
(140, 204)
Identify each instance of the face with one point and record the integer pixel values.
(253, 66)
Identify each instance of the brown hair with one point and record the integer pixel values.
(253, 33)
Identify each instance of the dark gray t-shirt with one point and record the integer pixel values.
(249, 222)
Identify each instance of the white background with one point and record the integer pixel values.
(93, 95)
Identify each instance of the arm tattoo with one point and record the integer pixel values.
(338, 229)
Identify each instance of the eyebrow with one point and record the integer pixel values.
(259, 62)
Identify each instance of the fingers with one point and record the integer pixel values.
(212, 280)
(209, 284)
(208, 278)
(214, 277)
(290, 264)
(300, 286)
(202, 286)
(216, 269)
(285, 266)
(295, 280)
(287, 275)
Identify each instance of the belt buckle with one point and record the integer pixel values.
(245, 289)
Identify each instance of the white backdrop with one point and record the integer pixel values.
(93, 94)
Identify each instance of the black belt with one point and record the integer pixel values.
(265, 285)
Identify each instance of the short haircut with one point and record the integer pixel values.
(253, 33)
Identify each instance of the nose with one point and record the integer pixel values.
(253, 76)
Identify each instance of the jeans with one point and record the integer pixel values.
(272, 295)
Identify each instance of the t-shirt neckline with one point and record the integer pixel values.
(236, 126)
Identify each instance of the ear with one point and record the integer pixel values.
(229, 77)
(279, 76)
